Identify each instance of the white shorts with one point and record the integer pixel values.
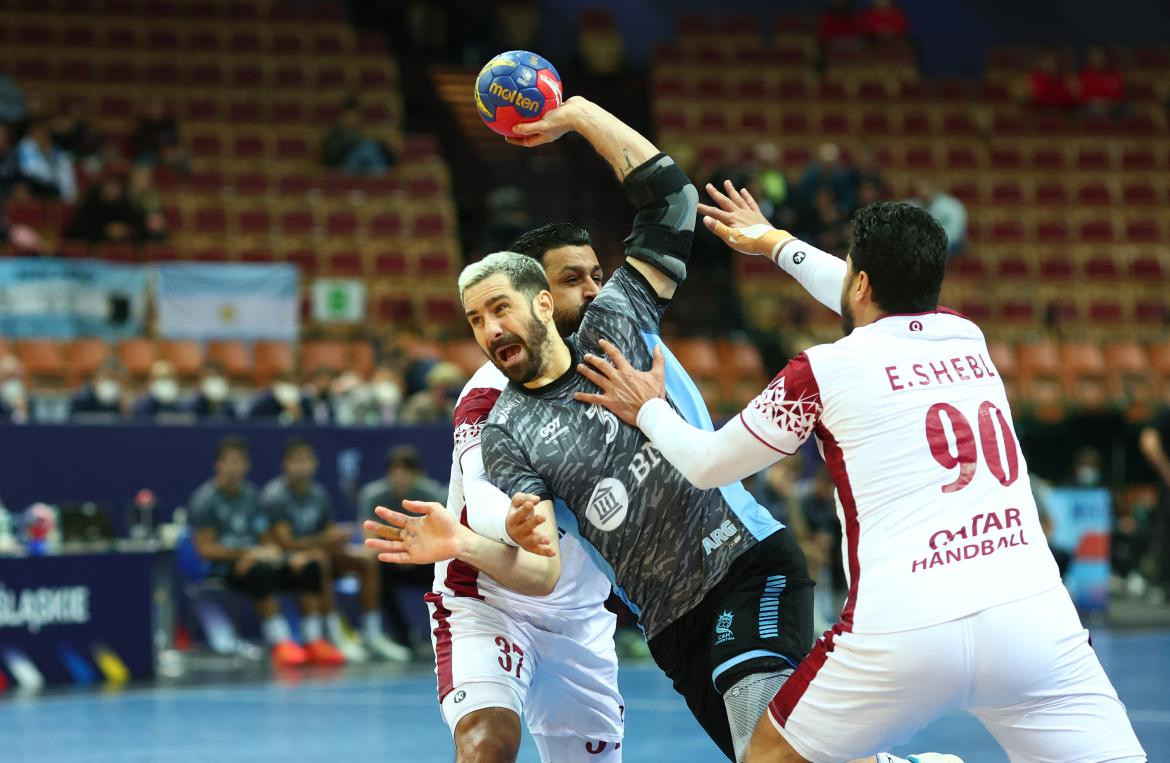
(562, 679)
(1025, 669)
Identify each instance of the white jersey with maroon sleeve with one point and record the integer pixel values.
(932, 489)
(582, 586)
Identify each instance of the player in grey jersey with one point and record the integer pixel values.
(721, 590)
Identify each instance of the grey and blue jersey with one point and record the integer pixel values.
(663, 542)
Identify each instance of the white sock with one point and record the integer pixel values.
(276, 630)
(372, 624)
(334, 628)
(312, 628)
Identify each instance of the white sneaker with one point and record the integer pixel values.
(934, 757)
(353, 650)
(386, 649)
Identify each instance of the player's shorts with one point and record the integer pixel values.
(561, 678)
(263, 578)
(1025, 669)
(757, 619)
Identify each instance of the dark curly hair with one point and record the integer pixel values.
(536, 242)
(904, 252)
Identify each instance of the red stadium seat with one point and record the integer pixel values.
(304, 259)
(254, 221)
(1056, 268)
(137, 355)
(1007, 192)
(232, 355)
(385, 224)
(346, 264)
(257, 255)
(210, 220)
(341, 223)
(270, 358)
(1007, 232)
(1146, 269)
(1151, 310)
(1140, 194)
(43, 359)
(297, 222)
(1098, 231)
(1052, 231)
(1006, 158)
(185, 354)
(1050, 194)
(1093, 160)
(1142, 232)
(324, 355)
(1050, 159)
(395, 308)
(916, 123)
(390, 264)
(442, 310)
(1094, 194)
(84, 357)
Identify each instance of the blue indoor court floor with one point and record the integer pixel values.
(388, 714)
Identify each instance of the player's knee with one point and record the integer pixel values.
(767, 746)
(488, 736)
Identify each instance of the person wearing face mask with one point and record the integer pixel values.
(319, 395)
(282, 401)
(436, 403)
(102, 396)
(211, 400)
(162, 392)
(373, 403)
(14, 400)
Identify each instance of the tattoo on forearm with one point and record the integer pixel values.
(623, 171)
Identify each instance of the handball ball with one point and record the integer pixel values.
(516, 87)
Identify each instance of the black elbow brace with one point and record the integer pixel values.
(666, 202)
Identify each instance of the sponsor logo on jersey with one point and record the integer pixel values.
(608, 505)
(916, 325)
(967, 541)
(723, 632)
(460, 696)
(719, 536)
(553, 429)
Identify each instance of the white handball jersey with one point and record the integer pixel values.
(936, 509)
(481, 506)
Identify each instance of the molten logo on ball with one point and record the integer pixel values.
(516, 87)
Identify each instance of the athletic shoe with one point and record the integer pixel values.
(934, 757)
(289, 654)
(386, 649)
(321, 652)
(352, 650)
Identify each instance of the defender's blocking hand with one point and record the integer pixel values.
(738, 221)
(425, 539)
(624, 389)
(523, 523)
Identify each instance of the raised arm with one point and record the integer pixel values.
(771, 427)
(660, 243)
(737, 220)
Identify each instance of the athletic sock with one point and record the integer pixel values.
(276, 630)
(334, 628)
(312, 627)
(372, 624)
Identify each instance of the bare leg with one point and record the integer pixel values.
(491, 735)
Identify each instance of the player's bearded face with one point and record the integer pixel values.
(520, 355)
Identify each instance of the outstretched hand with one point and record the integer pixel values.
(624, 389)
(403, 539)
(738, 221)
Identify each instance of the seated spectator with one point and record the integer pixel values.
(102, 396)
(106, 215)
(45, 169)
(770, 186)
(162, 393)
(348, 148)
(155, 140)
(1052, 87)
(211, 400)
(8, 168)
(15, 407)
(1102, 88)
(947, 210)
(300, 513)
(825, 222)
(883, 20)
(372, 403)
(318, 394)
(147, 204)
(230, 531)
(282, 401)
(404, 479)
(840, 21)
(436, 403)
(73, 133)
(828, 169)
(13, 106)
